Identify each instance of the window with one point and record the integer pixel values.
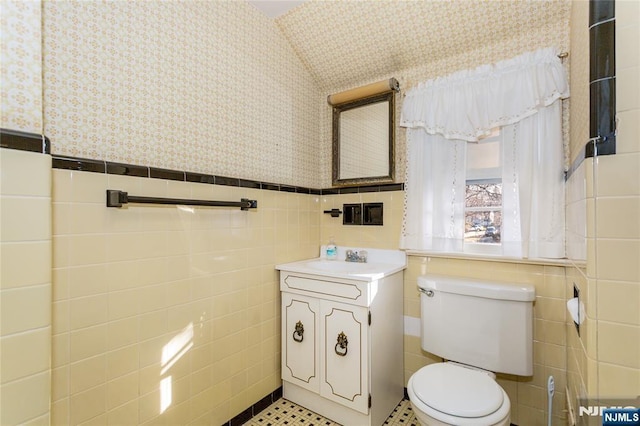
(509, 189)
(483, 196)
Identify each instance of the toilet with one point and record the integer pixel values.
(480, 328)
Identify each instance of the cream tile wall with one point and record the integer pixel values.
(527, 394)
(25, 287)
(202, 86)
(386, 236)
(580, 241)
(166, 314)
(603, 361)
(21, 70)
(616, 274)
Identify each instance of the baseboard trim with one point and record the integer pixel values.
(256, 408)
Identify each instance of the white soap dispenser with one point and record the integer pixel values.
(332, 250)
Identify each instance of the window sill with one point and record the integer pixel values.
(490, 258)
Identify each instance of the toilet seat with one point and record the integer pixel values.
(457, 395)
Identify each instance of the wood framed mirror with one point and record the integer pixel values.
(364, 140)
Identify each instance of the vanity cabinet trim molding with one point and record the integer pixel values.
(333, 289)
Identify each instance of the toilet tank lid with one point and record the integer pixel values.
(477, 288)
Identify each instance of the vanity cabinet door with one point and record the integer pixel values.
(345, 376)
(300, 353)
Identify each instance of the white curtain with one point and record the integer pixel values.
(533, 186)
(521, 96)
(434, 213)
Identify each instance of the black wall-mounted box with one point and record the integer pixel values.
(372, 214)
(352, 214)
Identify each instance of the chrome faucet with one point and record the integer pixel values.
(354, 256)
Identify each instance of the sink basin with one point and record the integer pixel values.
(340, 266)
(381, 263)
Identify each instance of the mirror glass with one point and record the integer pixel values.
(363, 140)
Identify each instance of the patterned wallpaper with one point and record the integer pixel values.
(207, 86)
(351, 44)
(217, 87)
(20, 65)
(579, 76)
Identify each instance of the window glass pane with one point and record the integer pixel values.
(483, 155)
(484, 158)
(483, 213)
(484, 194)
(482, 227)
(483, 203)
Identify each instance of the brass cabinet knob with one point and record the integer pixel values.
(299, 331)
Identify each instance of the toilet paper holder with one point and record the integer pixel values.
(576, 308)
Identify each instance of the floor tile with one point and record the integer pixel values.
(284, 412)
(402, 415)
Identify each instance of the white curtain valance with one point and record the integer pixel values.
(466, 105)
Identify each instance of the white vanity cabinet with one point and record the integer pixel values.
(344, 371)
(342, 339)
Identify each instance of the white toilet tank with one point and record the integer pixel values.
(479, 323)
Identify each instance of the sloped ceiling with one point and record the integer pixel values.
(275, 8)
(343, 42)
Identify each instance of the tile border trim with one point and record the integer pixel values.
(602, 78)
(255, 409)
(24, 141)
(33, 142)
(100, 166)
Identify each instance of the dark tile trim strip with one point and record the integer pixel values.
(602, 41)
(270, 187)
(330, 191)
(364, 189)
(605, 146)
(255, 409)
(80, 164)
(127, 170)
(221, 180)
(350, 190)
(602, 72)
(167, 174)
(368, 189)
(287, 188)
(200, 178)
(249, 184)
(99, 166)
(601, 11)
(392, 187)
(24, 141)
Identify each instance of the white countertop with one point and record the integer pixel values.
(380, 263)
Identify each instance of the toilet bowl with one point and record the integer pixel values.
(450, 394)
